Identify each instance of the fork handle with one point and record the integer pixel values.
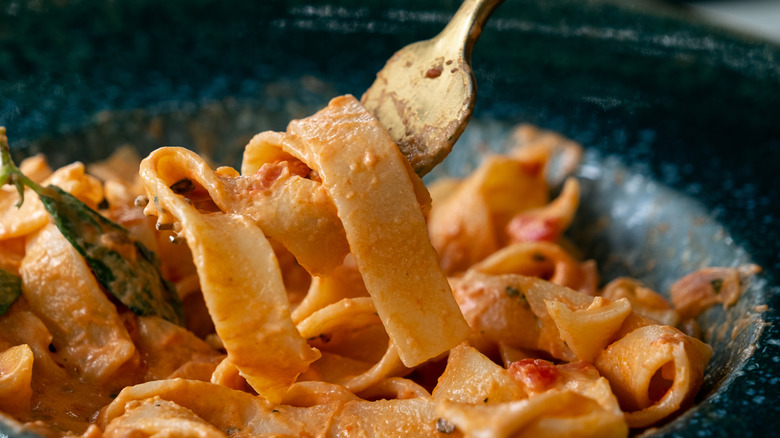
(467, 23)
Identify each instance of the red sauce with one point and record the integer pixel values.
(527, 228)
(535, 374)
(268, 174)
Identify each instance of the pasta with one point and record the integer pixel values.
(325, 291)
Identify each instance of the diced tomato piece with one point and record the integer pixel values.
(528, 228)
(270, 172)
(535, 374)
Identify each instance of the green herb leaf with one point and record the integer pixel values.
(10, 290)
(124, 267)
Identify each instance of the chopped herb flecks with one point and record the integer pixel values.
(513, 292)
(717, 285)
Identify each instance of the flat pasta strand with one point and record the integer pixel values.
(16, 365)
(654, 371)
(249, 307)
(366, 177)
(62, 291)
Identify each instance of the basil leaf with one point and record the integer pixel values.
(124, 267)
(10, 290)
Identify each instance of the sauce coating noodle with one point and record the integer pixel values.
(327, 293)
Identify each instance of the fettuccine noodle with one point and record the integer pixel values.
(327, 292)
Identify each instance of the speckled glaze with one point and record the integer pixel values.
(681, 122)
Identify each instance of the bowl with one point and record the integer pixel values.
(680, 121)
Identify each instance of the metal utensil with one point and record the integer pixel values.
(425, 94)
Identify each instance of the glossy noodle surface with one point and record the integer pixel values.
(327, 292)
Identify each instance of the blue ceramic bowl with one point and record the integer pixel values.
(681, 122)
